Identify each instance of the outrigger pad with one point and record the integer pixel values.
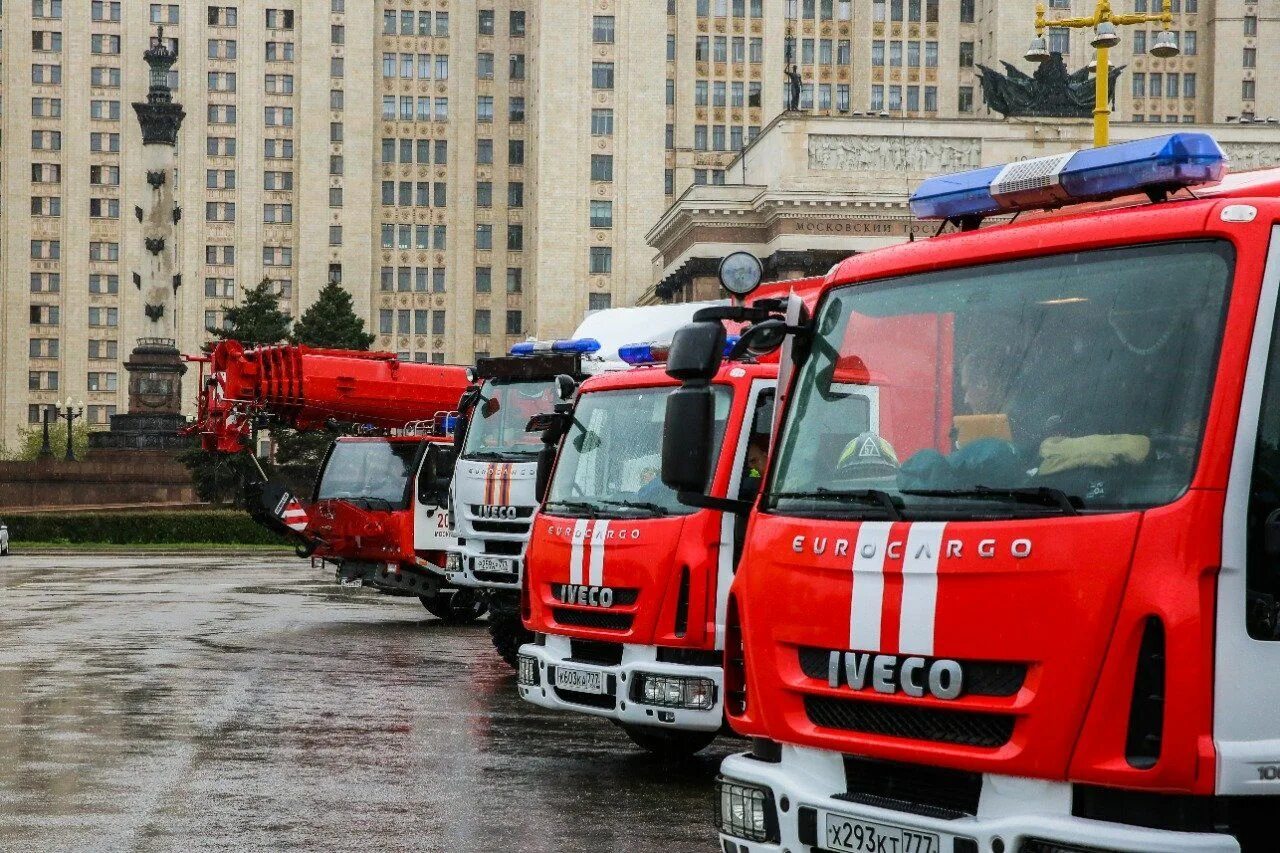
(266, 501)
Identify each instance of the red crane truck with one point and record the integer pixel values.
(378, 510)
(626, 587)
(1011, 584)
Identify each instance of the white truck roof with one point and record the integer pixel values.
(617, 327)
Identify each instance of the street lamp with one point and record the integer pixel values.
(46, 451)
(1104, 22)
(71, 409)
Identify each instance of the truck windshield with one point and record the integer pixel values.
(1059, 384)
(372, 474)
(497, 429)
(611, 457)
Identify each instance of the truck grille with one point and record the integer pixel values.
(981, 678)
(511, 528)
(592, 619)
(591, 651)
(936, 792)
(502, 548)
(966, 728)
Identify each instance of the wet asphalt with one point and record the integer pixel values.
(249, 703)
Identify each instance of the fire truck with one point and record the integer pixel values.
(626, 586)
(1011, 582)
(378, 510)
(492, 498)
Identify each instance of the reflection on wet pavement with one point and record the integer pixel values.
(194, 703)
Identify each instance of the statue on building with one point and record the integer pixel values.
(1052, 91)
(793, 88)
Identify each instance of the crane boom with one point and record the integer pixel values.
(304, 387)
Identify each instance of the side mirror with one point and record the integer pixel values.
(686, 438)
(554, 426)
(490, 407)
(696, 353)
(542, 479)
(565, 386)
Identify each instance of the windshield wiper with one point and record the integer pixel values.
(575, 506)
(1038, 495)
(875, 497)
(650, 506)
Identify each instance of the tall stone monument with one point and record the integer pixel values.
(155, 365)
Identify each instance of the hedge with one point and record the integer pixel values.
(142, 528)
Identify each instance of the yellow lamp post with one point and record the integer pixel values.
(1104, 22)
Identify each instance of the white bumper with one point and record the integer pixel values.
(461, 568)
(635, 660)
(1010, 809)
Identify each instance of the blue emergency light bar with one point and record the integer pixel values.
(578, 345)
(652, 353)
(1157, 165)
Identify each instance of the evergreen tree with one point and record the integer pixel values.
(258, 320)
(331, 322)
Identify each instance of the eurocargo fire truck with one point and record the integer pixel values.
(1012, 581)
(378, 510)
(626, 587)
(492, 499)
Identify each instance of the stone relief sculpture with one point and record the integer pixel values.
(831, 153)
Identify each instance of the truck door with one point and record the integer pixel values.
(754, 432)
(431, 498)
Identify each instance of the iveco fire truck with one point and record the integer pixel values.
(1012, 582)
(626, 586)
(378, 510)
(492, 499)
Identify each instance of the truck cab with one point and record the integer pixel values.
(379, 514)
(626, 585)
(1032, 606)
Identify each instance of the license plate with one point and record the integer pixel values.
(492, 564)
(846, 835)
(580, 680)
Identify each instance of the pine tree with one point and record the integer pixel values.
(331, 322)
(258, 320)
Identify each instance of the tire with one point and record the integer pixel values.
(455, 606)
(508, 633)
(668, 744)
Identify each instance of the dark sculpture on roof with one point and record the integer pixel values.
(1051, 91)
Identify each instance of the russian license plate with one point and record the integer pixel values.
(580, 680)
(847, 835)
(492, 564)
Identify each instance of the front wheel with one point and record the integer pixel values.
(507, 632)
(455, 606)
(668, 743)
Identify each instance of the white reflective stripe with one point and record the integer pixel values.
(575, 555)
(596, 575)
(868, 586)
(920, 588)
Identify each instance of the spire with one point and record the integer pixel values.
(159, 116)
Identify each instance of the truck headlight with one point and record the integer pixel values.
(527, 674)
(675, 691)
(745, 811)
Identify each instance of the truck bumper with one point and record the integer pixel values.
(389, 578)
(1013, 814)
(465, 569)
(618, 702)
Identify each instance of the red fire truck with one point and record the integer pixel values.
(378, 511)
(1011, 584)
(625, 586)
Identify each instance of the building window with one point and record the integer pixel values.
(481, 326)
(601, 214)
(1250, 59)
(102, 381)
(515, 238)
(1247, 90)
(602, 122)
(966, 99)
(602, 29)
(602, 166)
(601, 260)
(515, 280)
(515, 194)
(602, 75)
(484, 236)
(515, 323)
(599, 301)
(485, 22)
(1250, 25)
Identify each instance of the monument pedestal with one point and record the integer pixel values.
(155, 402)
